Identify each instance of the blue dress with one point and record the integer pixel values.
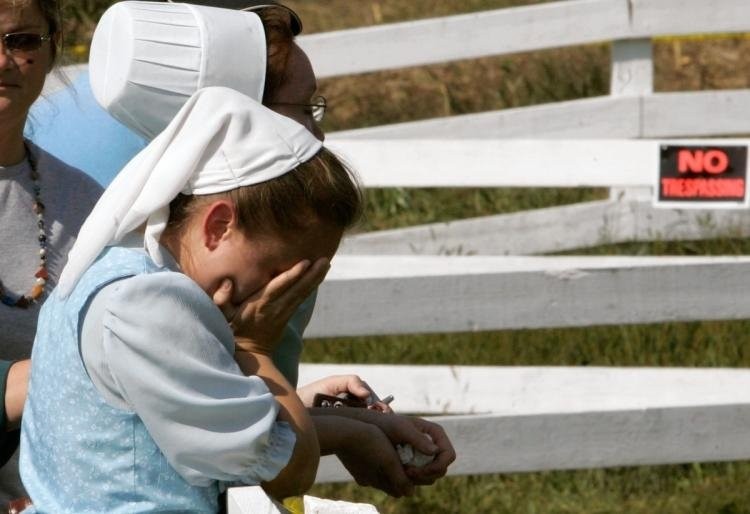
(79, 454)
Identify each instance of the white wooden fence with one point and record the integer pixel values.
(477, 274)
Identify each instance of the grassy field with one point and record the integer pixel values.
(503, 82)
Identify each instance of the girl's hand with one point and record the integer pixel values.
(365, 451)
(259, 321)
(337, 384)
(409, 430)
(444, 456)
(373, 461)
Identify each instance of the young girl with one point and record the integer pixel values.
(141, 398)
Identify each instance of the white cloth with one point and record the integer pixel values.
(219, 141)
(148, 58)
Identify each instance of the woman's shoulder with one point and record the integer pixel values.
(63, 176)
(67, 193)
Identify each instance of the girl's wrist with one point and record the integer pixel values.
(336, 433)
(247, 345)
(250, 362)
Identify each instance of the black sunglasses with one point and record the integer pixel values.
(24, 41)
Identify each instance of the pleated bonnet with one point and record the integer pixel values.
(148, 58)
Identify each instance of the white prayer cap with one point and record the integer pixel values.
(148, 58)
(219, 141)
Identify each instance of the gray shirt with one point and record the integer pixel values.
(68, 195)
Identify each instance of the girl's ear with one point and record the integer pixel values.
(218, 218)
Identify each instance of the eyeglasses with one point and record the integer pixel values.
(23, 41)
(316, 107)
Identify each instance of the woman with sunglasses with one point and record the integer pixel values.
(44, 202)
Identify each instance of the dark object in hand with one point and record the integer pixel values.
(326, 400)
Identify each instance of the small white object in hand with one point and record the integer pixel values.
(411, 457)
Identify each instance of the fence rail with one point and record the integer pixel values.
(536, 419)
(507, 163)
(520, 29)
(430, 294)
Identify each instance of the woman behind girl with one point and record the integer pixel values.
(44, 201)
(230, 190)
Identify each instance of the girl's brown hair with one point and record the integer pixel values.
(321, 190)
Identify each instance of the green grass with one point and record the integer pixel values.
(393, 208)
(695, 488)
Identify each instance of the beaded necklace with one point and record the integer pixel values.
(24, 301)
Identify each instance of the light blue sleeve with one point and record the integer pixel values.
(169, 353)
(71, 125)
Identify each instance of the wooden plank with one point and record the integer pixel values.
(428, 294)
(659, 17)
(518, 29)
(663, 115)
(523, 391)
(700, 113)
(507, 444)
(553, 229)
(466, 36)
(506, 163)
(601, 117)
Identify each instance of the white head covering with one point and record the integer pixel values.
(148, 58)
(219, 140)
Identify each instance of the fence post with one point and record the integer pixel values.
(632, 75)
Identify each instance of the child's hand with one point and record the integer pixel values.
(259, 321)
(371, 459)
(410, 430)
(337, 384)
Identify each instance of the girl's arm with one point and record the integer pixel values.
(156, 345)
(400, 429)
(15, 392)
(365, 451)
(258, 324)
(299, 474)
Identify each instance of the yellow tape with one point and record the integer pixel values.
(294, 504)
(702, 37)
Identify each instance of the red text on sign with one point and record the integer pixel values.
(703, 188)
(697, 161)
